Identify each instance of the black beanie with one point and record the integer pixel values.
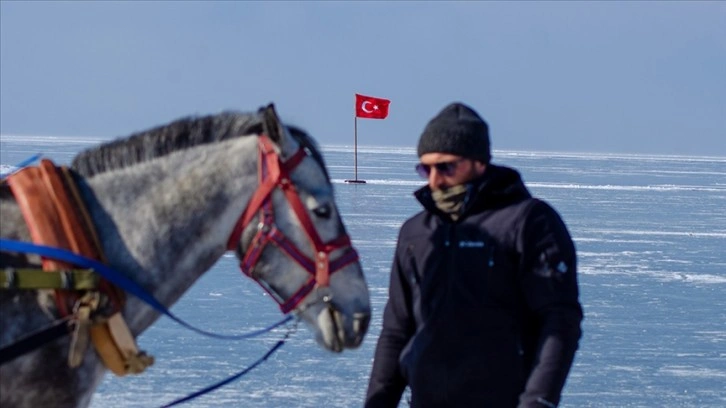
(458, 130)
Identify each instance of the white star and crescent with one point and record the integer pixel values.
(363, 107)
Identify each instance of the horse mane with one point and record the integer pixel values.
(308, 143)
(162, 140)
(178, 135)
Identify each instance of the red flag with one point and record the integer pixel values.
(371, 108)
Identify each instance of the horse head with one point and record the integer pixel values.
(292, 241)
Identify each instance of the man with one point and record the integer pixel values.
(483, 306)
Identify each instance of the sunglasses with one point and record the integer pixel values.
(445, 169)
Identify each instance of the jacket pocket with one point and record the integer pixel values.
(471, 268)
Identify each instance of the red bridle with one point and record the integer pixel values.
(274, 173)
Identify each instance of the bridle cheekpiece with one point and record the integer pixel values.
(274, 173)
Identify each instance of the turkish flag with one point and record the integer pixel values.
(371, 108)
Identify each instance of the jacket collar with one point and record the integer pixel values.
(499, 186)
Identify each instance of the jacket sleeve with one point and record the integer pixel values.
(549, 282)
(386, 384)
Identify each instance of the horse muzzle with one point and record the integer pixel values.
(338, 331)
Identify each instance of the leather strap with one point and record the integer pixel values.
(56, 217)
(34, 340)
(27, 278)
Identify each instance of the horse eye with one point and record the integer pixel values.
(322, 211)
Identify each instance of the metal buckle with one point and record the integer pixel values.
(11, 278)
(66, 277)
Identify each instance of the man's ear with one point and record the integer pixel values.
(479, 167)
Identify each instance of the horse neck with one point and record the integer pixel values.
(165, 222)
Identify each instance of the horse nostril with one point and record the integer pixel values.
(360, 323)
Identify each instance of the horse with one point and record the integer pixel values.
(166, 204)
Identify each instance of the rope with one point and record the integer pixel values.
(234, 377)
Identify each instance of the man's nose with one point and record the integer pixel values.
(436, 180)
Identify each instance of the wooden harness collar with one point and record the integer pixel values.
(56, 217)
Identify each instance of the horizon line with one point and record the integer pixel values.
(98, 139)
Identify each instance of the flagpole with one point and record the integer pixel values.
(355, 148)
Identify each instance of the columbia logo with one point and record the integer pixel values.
(471, 244)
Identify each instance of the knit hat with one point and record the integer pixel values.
(458, 130)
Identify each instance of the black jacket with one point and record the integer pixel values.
(482, 312)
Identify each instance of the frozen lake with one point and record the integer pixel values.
(650, 233)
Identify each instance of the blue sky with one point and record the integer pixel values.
(623, 77)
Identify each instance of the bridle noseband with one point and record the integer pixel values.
(274, 173)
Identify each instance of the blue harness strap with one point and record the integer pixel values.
(30, 160)
(122, 282)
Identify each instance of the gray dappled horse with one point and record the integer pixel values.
(165, 203)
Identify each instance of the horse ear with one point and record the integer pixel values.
(273, 128)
